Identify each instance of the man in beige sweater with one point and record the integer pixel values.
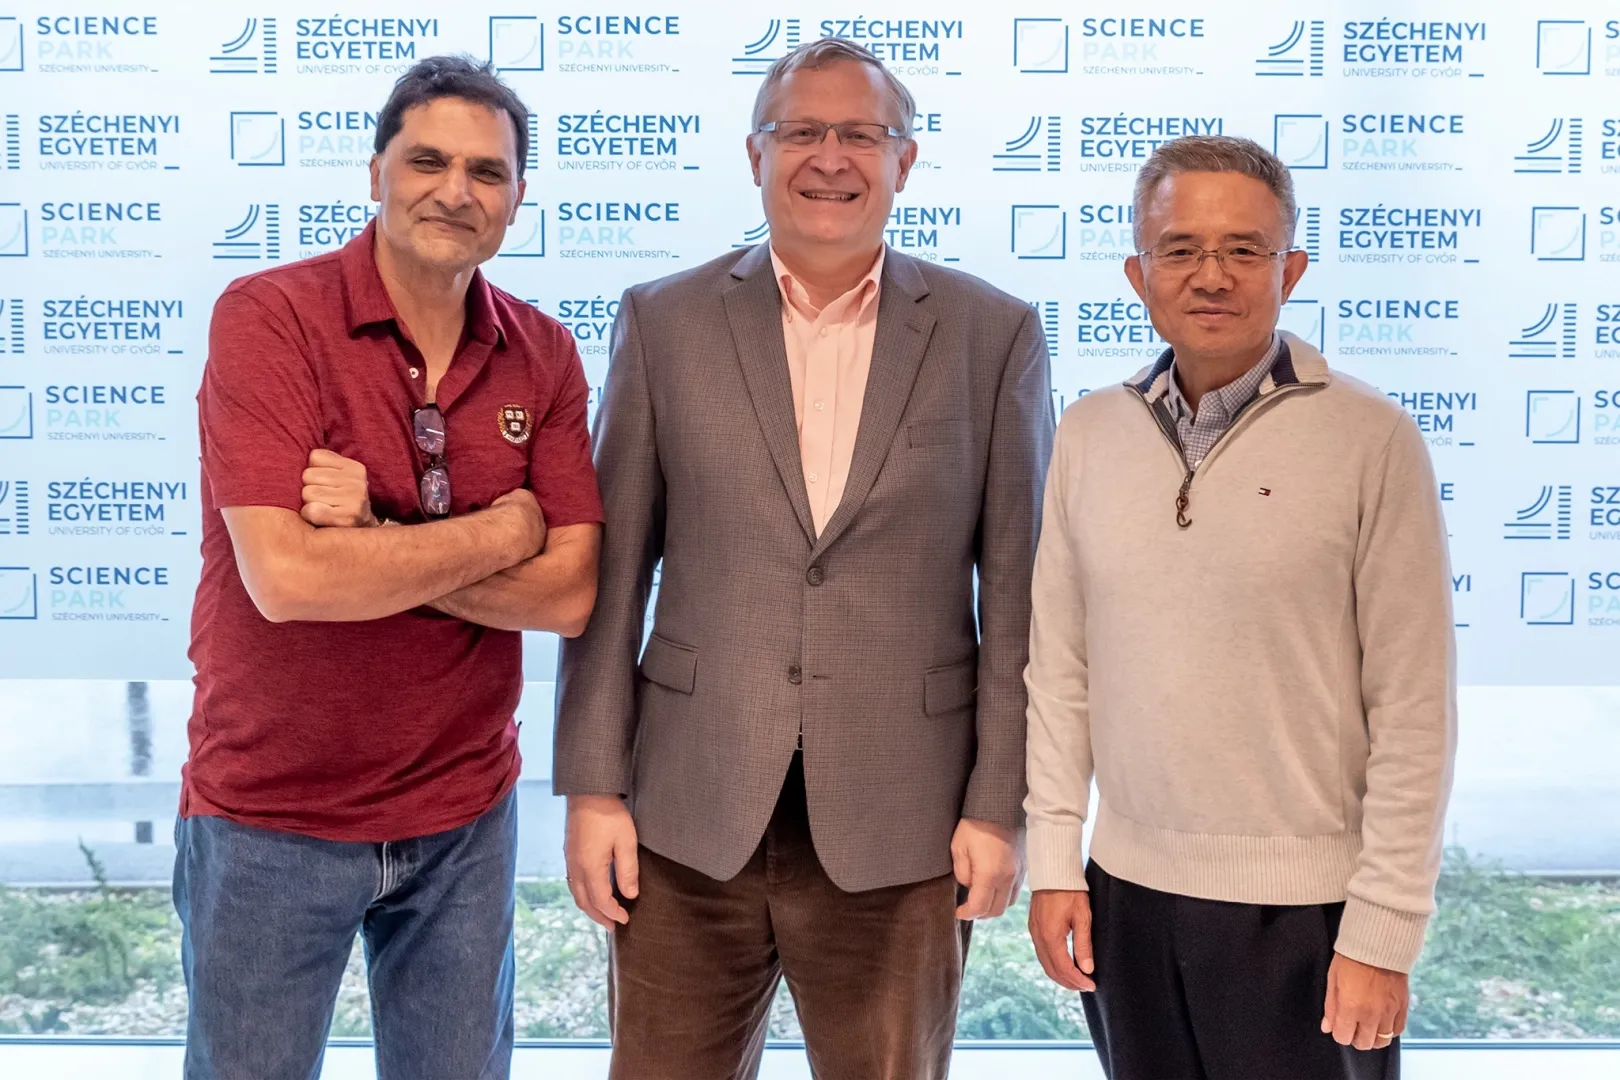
(1242, 627)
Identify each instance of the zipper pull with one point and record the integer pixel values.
(1181, 501)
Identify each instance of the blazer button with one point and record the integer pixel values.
(795, 675)
(816, 576)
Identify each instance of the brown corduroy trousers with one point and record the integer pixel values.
(875, 975)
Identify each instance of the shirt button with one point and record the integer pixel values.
(823, 331)
(816, 575)
(795, 676)
(414, 373)
(811, 478)
(820, 405)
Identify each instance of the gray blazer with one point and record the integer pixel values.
(864, 637)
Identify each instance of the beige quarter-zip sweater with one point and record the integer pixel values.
(1265, 697)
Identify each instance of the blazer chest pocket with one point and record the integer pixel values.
(669, 664)
(947, 689)
(921, 433)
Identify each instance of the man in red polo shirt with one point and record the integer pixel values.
(396, 480)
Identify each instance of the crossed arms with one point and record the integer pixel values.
(499, 567)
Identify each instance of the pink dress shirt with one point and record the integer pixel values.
(829, 354)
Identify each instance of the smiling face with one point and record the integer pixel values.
(825, 199)
(447, 184)
(1213, 311)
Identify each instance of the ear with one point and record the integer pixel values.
(753, 158)
(1294, 264)
(376, 178)
(908, 158)
(522, 187)
(1133, 273)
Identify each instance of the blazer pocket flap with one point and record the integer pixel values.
(946, 689)
(921, 433)
(669, 664)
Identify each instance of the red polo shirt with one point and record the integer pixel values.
(397, 727)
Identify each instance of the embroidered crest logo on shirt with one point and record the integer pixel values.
(1265, 491)
(516, 424)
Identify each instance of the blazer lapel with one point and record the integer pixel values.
(754, 310)
(903, 329)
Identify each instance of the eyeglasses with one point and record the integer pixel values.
(852, 135)
(427, 424)
(1179, 258)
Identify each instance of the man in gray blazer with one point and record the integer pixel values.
(822, 748)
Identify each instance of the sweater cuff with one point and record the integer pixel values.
(1055, 860)
(1381, 936)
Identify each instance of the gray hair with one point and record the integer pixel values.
(1214, 153)
(825, 52)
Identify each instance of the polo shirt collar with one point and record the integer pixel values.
(366, 301)
(484, 320)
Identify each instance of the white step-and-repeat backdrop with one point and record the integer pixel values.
(1458, 167)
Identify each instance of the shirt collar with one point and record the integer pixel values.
(1228, 399)
(366, 301)
(794, 295)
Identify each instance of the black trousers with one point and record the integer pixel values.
(1192, 989)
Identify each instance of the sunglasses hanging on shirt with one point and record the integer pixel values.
(427, 425)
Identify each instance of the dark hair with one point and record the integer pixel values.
(457, 77)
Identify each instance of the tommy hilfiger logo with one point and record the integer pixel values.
(516, 424)
(1265, 491)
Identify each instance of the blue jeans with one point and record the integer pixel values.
(270, 918)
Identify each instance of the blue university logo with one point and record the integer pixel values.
(1040, 232)
(1040, 46)
(517, 42)
(780, 36)
(251, 52)
(1300, 53)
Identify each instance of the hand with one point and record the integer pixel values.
(525, 511)
(335, 492)
(989, 860)
(1054, 916)
(601, 846)
(1366, 1005)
